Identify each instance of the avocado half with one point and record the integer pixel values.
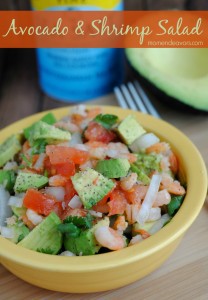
(179, 73)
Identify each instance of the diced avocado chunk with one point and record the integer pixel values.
(129, 130)
(45, 237)
(7, 178)
(24, 181)
(8, 149)
(113, 168)
(84, 244)
(19, 211)
(91, 186)
(48, 118)
(141, 175)
(20, 232)
(145, 164)
(148, 162)
(146, 226)
(50, 133)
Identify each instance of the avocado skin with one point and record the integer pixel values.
(172, 102)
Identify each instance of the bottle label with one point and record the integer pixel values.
(75, 75)
(102, 4)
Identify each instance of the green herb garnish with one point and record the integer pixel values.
(106, 120)
(174, 204)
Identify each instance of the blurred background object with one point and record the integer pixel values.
(19, 88)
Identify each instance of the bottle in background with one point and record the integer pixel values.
(76, 75)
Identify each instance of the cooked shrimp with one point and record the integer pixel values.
(119, 150)
(172, 186)
(69, 126)
(57, 180)
(136, 194)
(163, 197)
(128, 182)
(161, 147)
(132, 211)
(86, 165)
(119, 147)
(109, 238)
(97, 150)
(165, 164)
(136, 239)
(154, 214)
(93, 112)
(173, 162)
(145, 234)
(120, 224)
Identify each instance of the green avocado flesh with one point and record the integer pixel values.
(45, 237)
(181, 73)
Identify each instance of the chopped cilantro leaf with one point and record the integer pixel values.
(28, 163)
(39, 146)
(70, 229)
(81, 222)
(174, 204)
(106, 120)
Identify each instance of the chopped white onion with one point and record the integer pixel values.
(112, 153)
(159, 224)
(34, 217)
(149, 199)
(87, 164)
(136, 239)
(85, 123)
(40, 161)
(7, 232)
(5, 209)
(76, 138)
(58, 192)
(81, 147)
(154, 214)
(67, 253)
(75, 202)
(144, 141)
(95, 213)
(79, 110)
(15, 201)
(10, 165)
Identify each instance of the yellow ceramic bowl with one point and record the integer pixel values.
(112, 270)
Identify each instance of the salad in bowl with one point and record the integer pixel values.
(86, 184)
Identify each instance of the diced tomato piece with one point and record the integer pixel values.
(102, 206)
(117, 203)
(70, 191)
(49, 167)
(58, 209)
(65, 169)
(62, 155)
(40, 203)
(96, 132)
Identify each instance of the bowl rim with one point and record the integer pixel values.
(196, 175)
